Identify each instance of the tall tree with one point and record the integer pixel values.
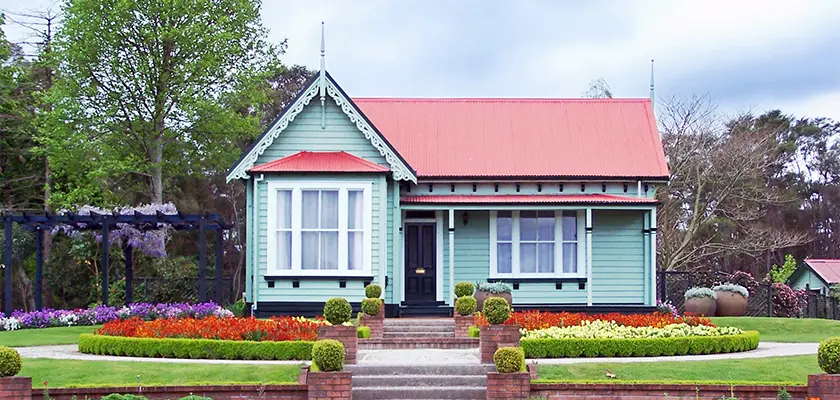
(598, 89)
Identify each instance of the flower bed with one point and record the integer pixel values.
(612, 330)
(533, 320)
(227, 328)
(195, 348)
(101, 314)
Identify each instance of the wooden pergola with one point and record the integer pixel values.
(103, 223)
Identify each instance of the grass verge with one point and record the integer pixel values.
(790, 330)
(45, 336)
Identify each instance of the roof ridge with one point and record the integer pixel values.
(503, 99)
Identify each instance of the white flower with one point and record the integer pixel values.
(9, 324)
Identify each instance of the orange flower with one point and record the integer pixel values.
(274, 329)
(533, 320)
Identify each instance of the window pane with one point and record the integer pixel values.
(528, 225)
(546, 257)
(329, 209)
(309, 200)
(284, 209)
(569, 225)
(309, 250)
(355, 209)
(570, 257)
(503, 258)
(284, 250)
(329, 250)
(354, 250)
(546, 227)
(504, 226)
(527, 258)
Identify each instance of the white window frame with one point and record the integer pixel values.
(558, 248)
(297, 212)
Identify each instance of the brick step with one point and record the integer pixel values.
(360, 381)
(417, 335)
(418, 343)
(420, 369)
(419, 322)
(417, 328)
(411, 392)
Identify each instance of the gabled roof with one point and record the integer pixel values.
(570, 138)
(527, 199)
(308, 161)
(827, 269)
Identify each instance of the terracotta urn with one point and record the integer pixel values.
(481, 295)
(701, 306)
(730, 304)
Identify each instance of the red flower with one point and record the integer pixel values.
(532, 320)
(274, 329)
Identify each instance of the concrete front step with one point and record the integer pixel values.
(416, 335)
(360, 381)
(411, 392)
(419, 322)
(416, 328)
(420, 369)
(418, 343)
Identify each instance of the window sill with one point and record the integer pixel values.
(272, 278)
(538, 280)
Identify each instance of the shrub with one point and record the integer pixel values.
(195, 348)
(10, 363)
(465, 305)
(373, 291)
(496, 310)
(788, 302)
(495, 287)
(371, 306)
(176, 280)
(473, 332)
(117, 396)
(464, 289)
(337, 311)
(532, 320)
(733, 288)
(363, 332)
(238, 308)
(744, 279)
(781, 274)
(195, 397)
(509, 359)
(699, 293)
(328, 354)
(828, 355)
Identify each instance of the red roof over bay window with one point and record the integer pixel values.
(309, 161)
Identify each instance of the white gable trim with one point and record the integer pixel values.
(399, 170)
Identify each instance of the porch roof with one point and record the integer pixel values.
(528, 199)
(331, 161)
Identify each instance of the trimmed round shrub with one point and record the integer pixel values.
(464, 289)
(509, 359)
(9, 362)
(465, 305)
(496, 310)
(828, 355)
(337, 311)
(328, 355)
(371, 306)
(373, 291)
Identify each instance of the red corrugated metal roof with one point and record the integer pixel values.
(308, 161)
(828, 269)
(529, 199)
(522, 137)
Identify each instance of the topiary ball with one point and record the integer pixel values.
(465, 305)
(828, 355)
(328, 355)
(373, 291)
(337, 311)
(464, 289)
(496, 310)
(371, 306)
(10, 363)
(509, 359)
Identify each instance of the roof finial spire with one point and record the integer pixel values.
(652, 98)
(322, 80)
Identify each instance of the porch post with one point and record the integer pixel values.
(396, 291)
(653, 267)
(383, 235)
(452, 257)
(439, 256)
(588, 256)
(646, 258)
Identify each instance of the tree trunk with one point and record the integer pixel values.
(156, 158)
(26, 289)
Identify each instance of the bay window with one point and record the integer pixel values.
(536, 244)
(319, 228)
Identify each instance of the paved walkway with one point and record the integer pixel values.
(430, 356)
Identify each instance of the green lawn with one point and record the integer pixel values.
(784, 329)
(39, 337)
(63, 373)
(771, 370)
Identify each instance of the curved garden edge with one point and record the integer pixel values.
(194, 348)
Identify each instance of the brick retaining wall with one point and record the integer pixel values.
(347, 335)
(330, 385)
(216, 392)
(491, 337)
(15, 388)
(462, 325)
(608, 391)
(824, 386)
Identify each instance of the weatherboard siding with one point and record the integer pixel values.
(806, 277)
(618, 258)
(486, 188)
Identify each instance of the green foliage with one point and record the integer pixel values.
(176, 280)
(783, 394)
(116, 293)
(10, 362)
(373, 291)
(194, 348)
(238, 308)
(473, 332)
(781, 274)
(509, 359)
(328, 355)
(465, 305)
(195, 397)
(828, 355)
(363, 332)
(371, 306)
(117, 396)
(495, 287)
(496, 310)
(647, 347)
(337, 311)
(464, 289)
(699, 293)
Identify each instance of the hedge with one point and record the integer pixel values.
(646, 347)
(194, 348)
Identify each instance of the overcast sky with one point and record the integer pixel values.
(749, 55)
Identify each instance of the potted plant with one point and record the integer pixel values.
(327, 374)
(485, 290)
(11, 385)
(337, 311)
(373, 314)
(498, 333)
(731, 299)
(700, 301)
(828, 357)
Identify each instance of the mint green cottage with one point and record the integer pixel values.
(555, 196)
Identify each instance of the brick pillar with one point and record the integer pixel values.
(462, 325)
(16, 388)
(824, 386)
(495, 336)
(347, 335)
(508, 386)
(330, 385)
(376, 323)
